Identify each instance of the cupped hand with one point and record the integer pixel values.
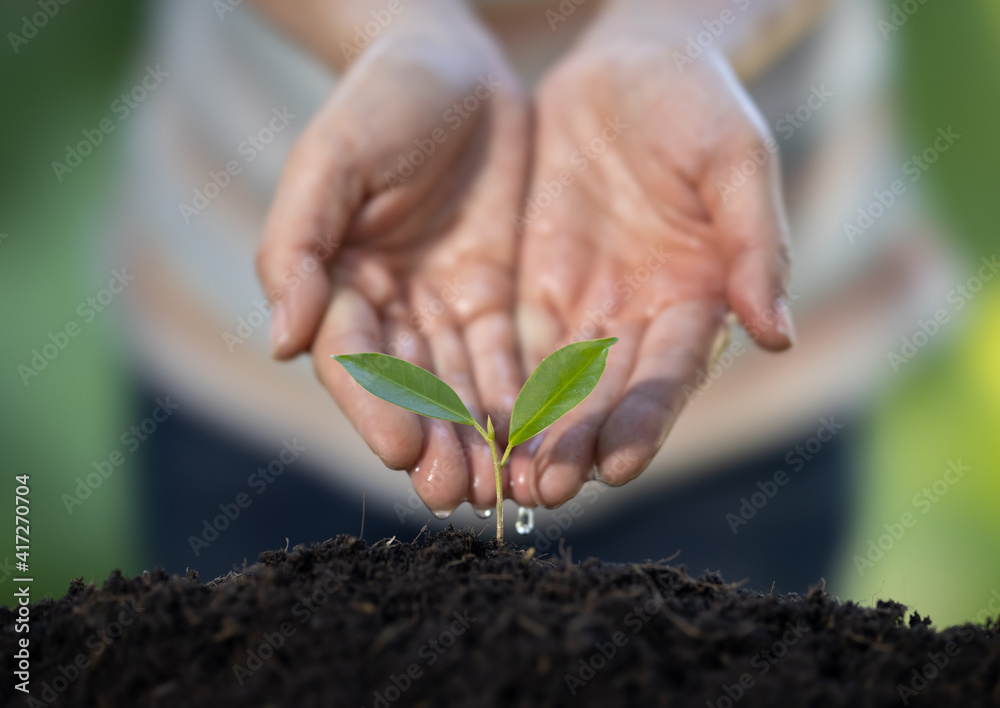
(390, 232)
(631, 230)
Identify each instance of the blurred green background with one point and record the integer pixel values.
(945, 407)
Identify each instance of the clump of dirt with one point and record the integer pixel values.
(453, 620)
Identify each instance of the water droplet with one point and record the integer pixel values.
(442, 514)
(484, 513)
(525, 523)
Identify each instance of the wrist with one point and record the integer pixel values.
(338, 33)
(441, 24)
(722, 26)
(751, 34)
(659, 22)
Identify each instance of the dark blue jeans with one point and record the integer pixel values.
(737, 520)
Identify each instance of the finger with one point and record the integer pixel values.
(519, 473)
(492, 345)
(554, 275)
(539, 330)
(316, 200)
(566, 455)
(351, 326)
(452, 365)
(482, 489)
(441, 475)
(677, 344)
(751, 220)
(755, 289)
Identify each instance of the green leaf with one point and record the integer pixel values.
(406, 385)
(563, 379)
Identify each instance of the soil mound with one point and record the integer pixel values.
(453, 620)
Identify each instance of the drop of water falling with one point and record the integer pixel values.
(442, 514)
(484, 513)
(525, 521)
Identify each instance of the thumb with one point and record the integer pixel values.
(319, 193)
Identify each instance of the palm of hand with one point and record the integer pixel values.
(637, 243)
(417, 178)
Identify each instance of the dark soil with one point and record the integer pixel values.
(452, 620)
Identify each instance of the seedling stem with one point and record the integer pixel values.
(498, 462)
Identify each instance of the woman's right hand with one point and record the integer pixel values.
(390, 231)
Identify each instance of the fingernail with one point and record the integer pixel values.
(784, 324)
(279, 328)
(549, 486)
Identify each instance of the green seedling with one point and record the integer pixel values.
(561, 381)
